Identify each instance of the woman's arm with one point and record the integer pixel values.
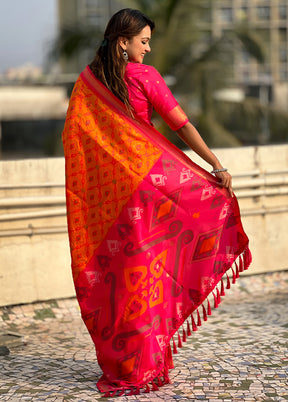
(193, 139)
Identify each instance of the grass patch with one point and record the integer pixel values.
(43, 314)
(5, 316)
(245, 385)
(53, 304)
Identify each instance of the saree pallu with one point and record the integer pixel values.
(151, 236)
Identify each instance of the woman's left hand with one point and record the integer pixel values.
(225, 181)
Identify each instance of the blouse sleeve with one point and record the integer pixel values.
(162, 99)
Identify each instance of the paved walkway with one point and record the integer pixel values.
(239, 354)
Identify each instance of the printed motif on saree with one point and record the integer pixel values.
(151, 235)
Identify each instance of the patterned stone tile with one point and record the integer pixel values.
(240, 354)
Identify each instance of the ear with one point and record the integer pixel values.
(122, 41)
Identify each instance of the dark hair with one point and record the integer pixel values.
(109, 64)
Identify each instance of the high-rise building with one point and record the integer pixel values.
(269, 19)
(94, 13)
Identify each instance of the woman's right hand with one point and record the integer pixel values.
(225, 181)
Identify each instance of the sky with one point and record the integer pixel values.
(26, 29)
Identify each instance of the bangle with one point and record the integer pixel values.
(219, 170)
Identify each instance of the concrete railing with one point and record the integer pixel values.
(34, 249)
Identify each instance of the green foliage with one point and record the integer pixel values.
(215, 134)
(241, 119)
(199, 63)
(251, 42)
(74, 39)
(244, 121)
(176, 29)
(278, 126)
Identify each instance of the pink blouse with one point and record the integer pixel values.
(148, 90)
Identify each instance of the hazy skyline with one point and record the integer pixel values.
(27, 27)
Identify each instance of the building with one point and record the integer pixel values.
(31, 120)
(86, 13)
(269, 19)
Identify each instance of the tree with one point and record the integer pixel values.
(200, 64)
(181, 47)
(73, 40)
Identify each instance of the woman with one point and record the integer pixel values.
(151, 233)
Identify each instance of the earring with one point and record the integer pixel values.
(125, 55)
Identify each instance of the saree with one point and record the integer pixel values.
(152, 236)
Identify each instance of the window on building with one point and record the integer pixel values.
(245, 76)
(244, 12)
(226, 14)
(283, 75)
(283, 11)
(283, 56)
(263, 12)
(94, 20)
(264, 71)
(92, 3)
(204, 12)
(245, 57)
(283, 35)
(96, 12)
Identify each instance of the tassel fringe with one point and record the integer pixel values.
(179, 341)
(218, 296)
(244, 261)
(208, 307)
(237, 270)
(145, 389)
(175, 351)
(215, 300)
(241, 266)
(194, 326)
(184, 335)
(204, 313)
(154, 386)
(188, 329)
(228, 286)
(198, 319)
